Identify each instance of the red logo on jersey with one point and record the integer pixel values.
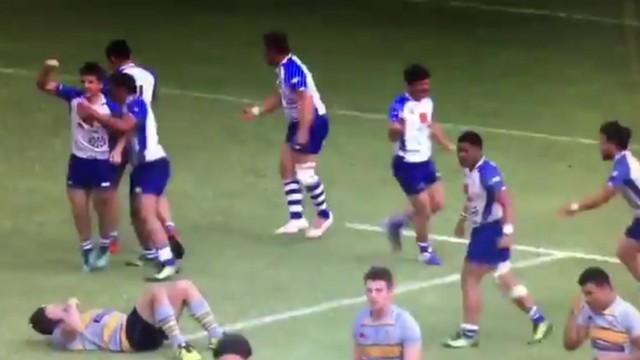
(424, 118)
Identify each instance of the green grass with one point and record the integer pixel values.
(490, 69)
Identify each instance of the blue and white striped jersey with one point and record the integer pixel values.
(626, 177)
(293, 76)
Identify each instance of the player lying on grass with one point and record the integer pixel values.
(488, 209)
(599, 314)
(153, 319)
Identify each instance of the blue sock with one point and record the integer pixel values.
(104, 245)
(87, 248)
(201, 311)
(469, 331)
(150, 254)
(319, 198)
(536, 315)
(293, 194)
(424, 247)
(165, 319)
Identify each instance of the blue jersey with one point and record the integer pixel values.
(102, 329)
(481, 186)
(293, 76)
(145, 144)
(415, 144)
(385, 339)
(625, 176)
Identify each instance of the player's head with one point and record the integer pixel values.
(276, 47)
(614, 137)
(418, 80)
(122, 86)
(117, 53)
(378, 282)
(92, 75)
(596, 288)
(46, 318)
(232, 347)
(469, 149)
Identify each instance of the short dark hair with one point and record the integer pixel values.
(118, 49)
(91, 68)
(471, 137)
(277, 41)
(233, 344)
(616, 133)
(379, 273)
(416, 72)
(123, 80)
(596, 276)
(42, 323)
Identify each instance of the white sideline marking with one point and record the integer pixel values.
(366, 115)
(531, 249)
(333, 304)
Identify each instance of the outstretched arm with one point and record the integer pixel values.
(591, 202)
(270, 104)
(45, 80)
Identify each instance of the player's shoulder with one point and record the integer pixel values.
(403, 315)
(400, 100)
(625, 309)
(291, 63)
(136, 104)
(488, 167)
(361, 316)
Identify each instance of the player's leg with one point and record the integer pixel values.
(118, 173)
(521, 297)
(420, 217)
(306, 164)
(164, 213)
(155, 308)
(629, 249)
(79, 195)
(436, 197)
(292, 189)
(103, 195)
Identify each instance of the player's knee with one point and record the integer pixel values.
(437, 205)
(306, 173)
(519, 291)
(184, 285)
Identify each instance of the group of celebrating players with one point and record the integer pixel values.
(112, 124)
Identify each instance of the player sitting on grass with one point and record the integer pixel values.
(153, 319)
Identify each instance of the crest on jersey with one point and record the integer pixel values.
(424, 117)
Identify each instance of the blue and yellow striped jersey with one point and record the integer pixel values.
(104, 329)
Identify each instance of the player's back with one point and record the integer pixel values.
(145, 81)
(626, 168)
(385, 339)
(415, 145)
(103, 329)
(293, 76)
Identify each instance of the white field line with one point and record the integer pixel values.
(366, 115)
(334, 304)
(531, 249)
(538, 12)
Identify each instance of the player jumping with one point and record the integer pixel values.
(118, 55)
(411, 128)
(153, 320)
(307, 130)
(90, 173)
(625, 179)
(151, 168)
(488, 208)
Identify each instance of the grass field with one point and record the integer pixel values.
(536, 86)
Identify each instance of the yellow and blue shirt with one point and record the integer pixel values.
(103, 329)
(385, 339)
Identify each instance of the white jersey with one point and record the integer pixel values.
(293, 76)
(145, 143)
(415, 145)
(481, 186)
(145, 81)
(625, 176)
(87, 141)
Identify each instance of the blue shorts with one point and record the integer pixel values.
(633, 231)
(483, 247)
(90, 174)
(150, 178)
(414, 178)
(317, 134)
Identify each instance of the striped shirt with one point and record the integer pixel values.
(385, 339)
(293, 76)
(625, 176)
(103, 329)
(415, 144)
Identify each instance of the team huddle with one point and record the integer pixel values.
(113, 125)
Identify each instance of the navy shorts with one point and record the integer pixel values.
(414, 178)
(633, 231)
(317, 134)
(483, 246)
(141, 335)
(90, 173)
(150, 177)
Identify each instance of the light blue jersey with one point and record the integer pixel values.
(385, 339)
(293, 76)
(103, 329)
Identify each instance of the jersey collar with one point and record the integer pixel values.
(482, 160)
(126, 66)
(286, 59)
(388, 319)
(621, 154)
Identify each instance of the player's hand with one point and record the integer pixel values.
(576, 304)
(505, 242)
(568, 210)
(449, 147)
(51, 64)
(115, 157)
(249, 112)
(460, 231)
(73, 302)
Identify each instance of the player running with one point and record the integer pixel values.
(488, 208)
(411, 128)
(383, 331)
(611, 323)
(90, 174)
(151, 168)
(308, 128)
(625, 179)
(118, 54)
(153, 320)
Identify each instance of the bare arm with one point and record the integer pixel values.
(124, 124)
(460, 229)
(116, 154)
(440, 137)
(71, 323)
(574, 334)
(591, 202)
(357, 355)
(396, 130)
(412, 352)
(45, 80)
(270, 104)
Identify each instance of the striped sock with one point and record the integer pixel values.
(150, 254)
(166, 256)
(293, 194)
(201, 311)
(317, 194)
(113, 236)
(166, 320)
(536, 315)
(104, 244)
(469, 331)
(87, 248)
(424, 247)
